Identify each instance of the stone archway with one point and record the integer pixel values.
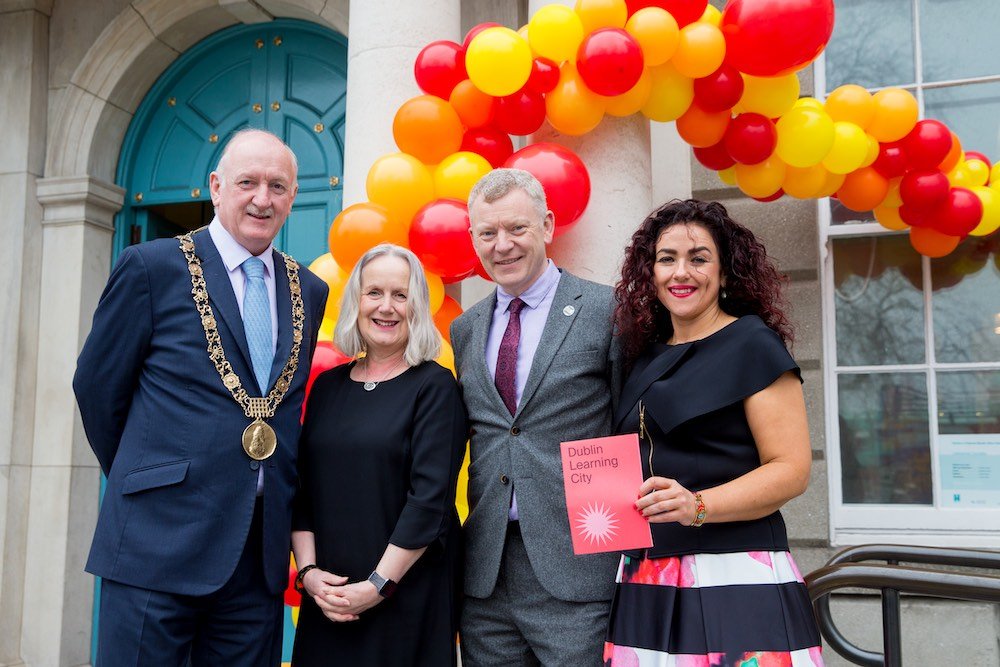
(79, 200)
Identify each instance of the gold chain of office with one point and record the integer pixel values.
(259, 439)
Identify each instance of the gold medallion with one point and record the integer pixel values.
(259, 441)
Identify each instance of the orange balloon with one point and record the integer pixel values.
(893, 199)
(633, 100)
(325, 267)
(863, 189)
(446, 314)
(427, 128)
(363, 226)
(446, 357)
(851, 103)
(700, 50)
(895, 114)
(657, 33)
(832, 184)
(571, 107)
(401, 183)
(932, 243)
(954, 155)
(435, 286)
(888, 217)
(804, 182)
(762, 179)
(474, 107)
(702, 128)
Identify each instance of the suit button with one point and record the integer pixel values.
(514, 430)
(504, 480)
(254, 465)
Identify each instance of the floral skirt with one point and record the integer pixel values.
(706, 610)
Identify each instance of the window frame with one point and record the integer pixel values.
(931, 524)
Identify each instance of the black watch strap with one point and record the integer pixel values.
(299, 586)
(385, 587)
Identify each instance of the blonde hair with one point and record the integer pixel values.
(424, 342)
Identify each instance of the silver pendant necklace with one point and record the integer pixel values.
(370, 385)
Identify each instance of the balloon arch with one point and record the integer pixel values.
(728, 79)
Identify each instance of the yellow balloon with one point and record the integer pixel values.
(554, 32)
(895, 114)
(888, 217)
(446, 357)
(849, 150)
(959, 175)
(728, 175)
(991, 210)
(808, 103)
(995, 174)
(805, 136)
(770, 96)
(657, 33)
(632, 101)
(873, 149)
(893, 199)
(326, 330)
(670, 95)
(462, 497)
(700, 50)
(435, 286)
(979, 171)
(805, 182)
(499, 61)
(401, 183)
(711, 15)
(571, 107)
(456, 174)
(851, 103)
(762, 179)
(596, 14)
(326, 268)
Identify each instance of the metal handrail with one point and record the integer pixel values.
(845, 571)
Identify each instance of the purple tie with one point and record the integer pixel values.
(505, 378)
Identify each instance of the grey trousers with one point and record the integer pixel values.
(522, 625)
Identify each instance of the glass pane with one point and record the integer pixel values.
(840, 214)
(872, 44)
(958, 38)
(884, 441)
(972, 112)
(969, 438)
(878, 300)
(966, 302)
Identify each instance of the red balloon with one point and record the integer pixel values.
(714, 157)
(439, 67)
(544, 76)
(489, 142)
(750, 138)
(292, 597)
(439, 236)
(325, 357)
(720, 90)
(775, 197)
(976, 155)
(924, 188)
(927, 144)
(563, 176)
(915, 216)
(521, 113)
(775, 37)
(683, 11)
(475, 30)
(960, 213)
(609, 61)
(892, 160)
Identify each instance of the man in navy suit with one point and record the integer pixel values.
(190, 386)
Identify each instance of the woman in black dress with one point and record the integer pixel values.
(717, 401)
(376, 534)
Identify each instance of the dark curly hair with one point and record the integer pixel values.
(753, 284)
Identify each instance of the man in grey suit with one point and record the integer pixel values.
(537, 367)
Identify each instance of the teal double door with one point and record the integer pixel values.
(286, 76)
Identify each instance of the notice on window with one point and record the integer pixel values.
(970, 469)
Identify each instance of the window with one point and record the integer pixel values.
(912, 345)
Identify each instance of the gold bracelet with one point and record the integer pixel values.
(699, 511)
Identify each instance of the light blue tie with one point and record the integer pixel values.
(257, 321)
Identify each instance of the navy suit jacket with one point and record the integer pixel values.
(167, 433)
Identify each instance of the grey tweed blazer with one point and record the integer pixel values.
(574, 383)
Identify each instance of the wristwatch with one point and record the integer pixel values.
(385, 587)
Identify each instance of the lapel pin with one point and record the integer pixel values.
(568, 310)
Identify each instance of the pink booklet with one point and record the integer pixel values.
(602, 478)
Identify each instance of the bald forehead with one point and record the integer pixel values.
(250, 146)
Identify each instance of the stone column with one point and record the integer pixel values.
(78, 224)
(24, 47)
(385, 38)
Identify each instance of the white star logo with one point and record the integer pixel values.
(597, 523)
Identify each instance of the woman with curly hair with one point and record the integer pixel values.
(717, 402)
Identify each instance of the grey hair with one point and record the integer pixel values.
(424, 343)
(219, 168)
(500, 182)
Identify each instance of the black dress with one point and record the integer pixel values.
(381, 467)
(725, 593)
